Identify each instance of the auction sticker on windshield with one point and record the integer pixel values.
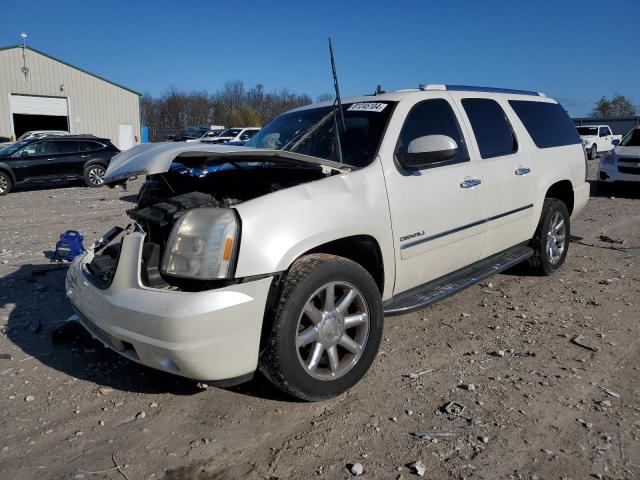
(367, 107)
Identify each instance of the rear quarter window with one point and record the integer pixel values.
(547, 123)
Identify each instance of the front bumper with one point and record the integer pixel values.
(612, 173)
(210, 335)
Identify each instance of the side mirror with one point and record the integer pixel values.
(428, 150)
(615, 142)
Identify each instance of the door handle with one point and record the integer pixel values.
(85, 156)
(50, 159)
(522, 171)
(473, 182)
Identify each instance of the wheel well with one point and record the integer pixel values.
(562, 190)
(362, 249)
(9, 173)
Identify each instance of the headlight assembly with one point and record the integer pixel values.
(202, 245)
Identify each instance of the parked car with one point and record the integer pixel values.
(622, 164)
(41, 133)
(233, 135)
(55, 158)
(597, 139)
(207, 136)
(287, 255)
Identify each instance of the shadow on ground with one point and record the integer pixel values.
(35, 294)
(619, 190)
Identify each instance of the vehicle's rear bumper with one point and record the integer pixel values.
(209, 335)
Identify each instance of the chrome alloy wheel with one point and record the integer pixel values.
(556, 238)
(4, 184)
(96, 175)
(332, 332)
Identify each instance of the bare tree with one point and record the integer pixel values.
(618, 106)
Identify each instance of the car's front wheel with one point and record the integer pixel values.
(94, 175)
(5, 183)
(593, 152)
(327, 328)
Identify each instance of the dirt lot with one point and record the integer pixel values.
(541, 406)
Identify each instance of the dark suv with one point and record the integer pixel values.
(71, 157)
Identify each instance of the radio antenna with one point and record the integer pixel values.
(337, 103)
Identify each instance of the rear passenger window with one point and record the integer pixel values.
(547, 123)
(491, 127)
(432, 117)
(87, 146)
(63, 147)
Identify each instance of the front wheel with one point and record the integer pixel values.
(327, 328)
(550, 242)
(593, 152)
(5, 183)
(94, 176)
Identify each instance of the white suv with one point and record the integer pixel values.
(622, 164)
(287, 258)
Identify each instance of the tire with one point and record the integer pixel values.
(94, 175)
(292, 359)
(547, 259)
(5, 183)
(593, 152)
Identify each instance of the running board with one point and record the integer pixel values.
(443, 287)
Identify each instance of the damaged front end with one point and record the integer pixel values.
(192, 230)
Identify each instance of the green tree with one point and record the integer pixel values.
(618, 106)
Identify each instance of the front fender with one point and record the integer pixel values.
(6, 168)
(280, 227)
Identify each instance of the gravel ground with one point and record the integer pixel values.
(539, 402)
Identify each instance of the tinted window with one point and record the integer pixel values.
(631, 139)
(587, 131)
(491, 127)
(432, 117)
(62, 147)
(547, 123)
(248, 134)
(605, 131)
(39, 148)
(87, 146)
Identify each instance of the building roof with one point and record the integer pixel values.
(10, 47)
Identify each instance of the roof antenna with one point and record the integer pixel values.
(337, 103)
(379, 90)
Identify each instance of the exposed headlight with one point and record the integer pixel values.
(202, 244)
(608, 159)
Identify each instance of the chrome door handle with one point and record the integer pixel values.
(50, 159)
(523, 171)
(474, 182)
(85, 156)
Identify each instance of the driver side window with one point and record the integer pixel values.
(432, 117)
(37, 149)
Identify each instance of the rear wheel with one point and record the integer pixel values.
(5, 183)
(94, 176)
(551, 240)
(327, 328)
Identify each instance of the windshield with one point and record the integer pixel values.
(230, 132)
(9, 149)
(631, 139)
(584, 131)
(312, 132)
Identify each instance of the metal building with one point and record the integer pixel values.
(40, 92)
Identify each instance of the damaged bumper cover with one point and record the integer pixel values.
(208, 335)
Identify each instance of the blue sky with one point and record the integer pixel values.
(575, 51)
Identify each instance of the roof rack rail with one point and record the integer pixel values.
(471, 88)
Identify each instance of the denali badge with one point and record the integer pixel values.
(412, 235)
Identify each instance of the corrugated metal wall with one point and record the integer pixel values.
(619, 126)
(96, 106)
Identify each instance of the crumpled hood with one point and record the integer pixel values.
(154, 158)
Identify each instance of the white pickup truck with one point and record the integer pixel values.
(597, 139)
(285, 254)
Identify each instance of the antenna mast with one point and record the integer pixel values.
(337, 103)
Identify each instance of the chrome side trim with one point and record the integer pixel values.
(464, 227)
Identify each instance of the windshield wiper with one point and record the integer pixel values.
(298, 139)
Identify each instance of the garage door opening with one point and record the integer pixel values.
(24, 123)
(33, 112)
